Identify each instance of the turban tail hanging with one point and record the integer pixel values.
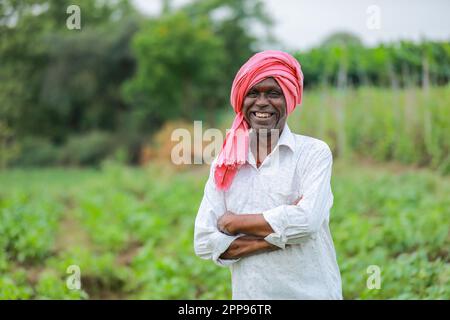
(279, 65)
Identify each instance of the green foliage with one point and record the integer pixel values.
(398, 222)
(130, 230)
(36, 152)
(232, 21)
(55, 81)
(12, 288)
(179, 66)
(29, 223)
(131, 233)
(8, 147)
(87, 149)
(50, 286)
(342, 60)
(410, 126)
(121, 72)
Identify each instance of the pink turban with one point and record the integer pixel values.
(279, 65)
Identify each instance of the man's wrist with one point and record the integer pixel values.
(233, 227)
(263, 245)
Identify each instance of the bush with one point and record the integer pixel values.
(36, 152)
(87, 149)
(29, 224)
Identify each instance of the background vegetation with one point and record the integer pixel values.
(85, 123)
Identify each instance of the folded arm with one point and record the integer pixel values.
(249, 224)
(245, 246)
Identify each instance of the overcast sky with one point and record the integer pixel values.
(301, 24)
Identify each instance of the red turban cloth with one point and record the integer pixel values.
(279, 65)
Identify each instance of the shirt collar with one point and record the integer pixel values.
(286, 139)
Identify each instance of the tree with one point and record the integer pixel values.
(180, 71)
(232, 21)
(53, 77)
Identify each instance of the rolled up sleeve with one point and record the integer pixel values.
(209, 242)
(292, 223)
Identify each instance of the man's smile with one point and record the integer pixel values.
(263, 115)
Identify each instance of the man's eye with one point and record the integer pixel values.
(274, 94)
(252, 94)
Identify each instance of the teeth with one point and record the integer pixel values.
(262, 114)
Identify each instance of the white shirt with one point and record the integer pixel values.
(306, 266)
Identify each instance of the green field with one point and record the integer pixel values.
(86, 121)
(411, 125)
(130, 231)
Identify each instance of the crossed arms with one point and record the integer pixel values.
(255, 228)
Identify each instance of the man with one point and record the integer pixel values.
(265, 210)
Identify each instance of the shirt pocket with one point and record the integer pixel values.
(280, 193)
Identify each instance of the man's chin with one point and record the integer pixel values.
(264, 129)
(258, 128)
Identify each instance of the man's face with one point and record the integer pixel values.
(264, 106)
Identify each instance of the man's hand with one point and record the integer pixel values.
(246, 246)
(225, 223)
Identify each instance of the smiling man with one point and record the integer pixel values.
(266, 206)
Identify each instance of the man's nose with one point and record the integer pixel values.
(262, 100)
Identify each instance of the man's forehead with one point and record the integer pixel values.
(266, 84)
